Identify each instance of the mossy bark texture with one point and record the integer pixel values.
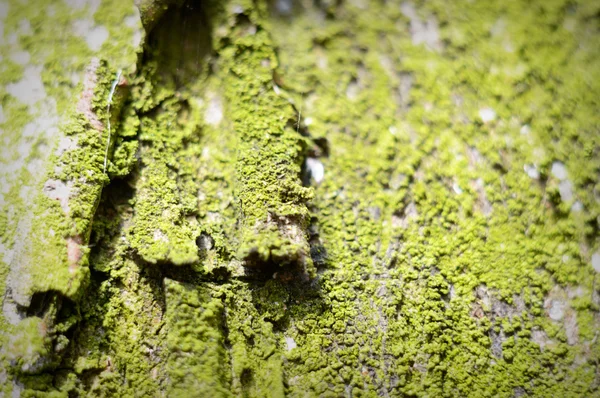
(303, 198)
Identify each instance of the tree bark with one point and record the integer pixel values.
(299, 198)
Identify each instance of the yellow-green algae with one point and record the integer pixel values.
(436, 204)
(42, 65)
(165, 196)
(445, 269)
(198, 358)
(273, 215)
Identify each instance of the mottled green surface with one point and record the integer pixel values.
(53, 99)
(273, 214)
(450, 248)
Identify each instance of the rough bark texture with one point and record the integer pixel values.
(299, 198)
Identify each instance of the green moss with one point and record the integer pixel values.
(272, 203)
(197, 363)
(164, 228)
(30, 338)
(64, 209)
(122, 334)
(256, 361)
(438, 252)
(412, 239)
(48, 246)
(123, 22)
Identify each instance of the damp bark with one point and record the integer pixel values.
(329, 198)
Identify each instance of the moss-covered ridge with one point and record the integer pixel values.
(273, 217)
(54, 258)
(48, 253)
